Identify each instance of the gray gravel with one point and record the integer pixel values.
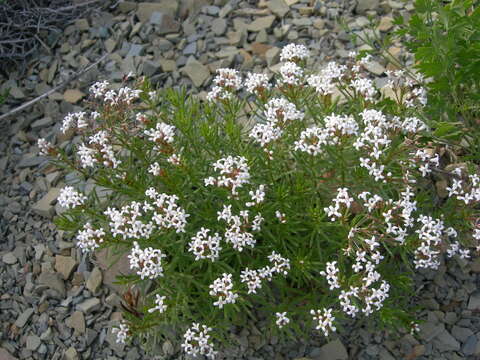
(57, 304)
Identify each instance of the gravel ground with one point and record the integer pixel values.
(57, 304)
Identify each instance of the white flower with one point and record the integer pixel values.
(292, 74)
(89, 239)
(252, 279)
(122, 332)
(282, 319)
(222, 289)
(154, 169)
(163, 133)
(228, 78)
(256, 83)
(324, 320)
(147, 262)
(258, 196)
(293, 52)
(280, 216)
(264, 134)
(365, 88)
(331, 274)
(280, 110)
(205, 246)
(44, 146)
(87, 156)
(106, 152)
(281, 265)
(74, 119)
(174, 159)
(99, 89)
(234, 172)
(342, 198)
(70, 198)
(196, 341)
(159, 304)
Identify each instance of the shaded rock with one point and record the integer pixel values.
(278, 7)
(474, 301)
(77, 322)
(44, 207)
(334, 350)
(65, 265)
(386, 23)
(9, 258)
(264, 22)
(150, 67)
(73, 96)
(164, 23)
(94, 281)
(53, 281)
(33, 342)
(5, 355)
(470, 345)
(365, 5)
(146, 9)
(71, 354)
(24, 317)
(196, 71)
(89, 305)
(42, 123)
(461, 333)
(445, 342)
(135, 50)
(219, 26)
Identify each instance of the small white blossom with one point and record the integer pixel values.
(197, 341)
(154, 169)
(257, 83)
(89, 239)
(44, 146)
(222, 289)
(205, 246)
(291, 73)
(147, 262)
(70, 198)
(122, 332)
(159, 304)
(282, 319)
(324, 320)
(331, 274)
(294, 52)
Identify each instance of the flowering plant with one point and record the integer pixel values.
(309, 196)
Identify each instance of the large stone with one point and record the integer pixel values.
(150, 68)
(113, 265)
(146, 9)
(364, 5)
(71, 354)
(53, 281)
(386, 23)
(445, 342)
(9, 258)
(77, 322)
(196, 71)
(23, 318)
(42, 123)
(219, 26)
(44, 207)
(278, 7)
(264, 22)
(65, 265)
(5, 355)
(474, 301)
(33, 342)
(334, 350)
(94, 281)
(73, 96)
(89, 305)
(164, 23)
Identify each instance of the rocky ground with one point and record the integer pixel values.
(56, 303)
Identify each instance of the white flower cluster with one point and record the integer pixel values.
(159, 304)
(342, 198)
(197, 341)
(426, 159)
(234, 172)
(324, 320)
(370, 202)
(430, 236)
(324, 82)
(78, 119)
(257, 196)
(127, 222)
(253, 279)
(89, 239)
(279, 111)
(167, 214)
(100, 150)
(154, 169)
(282, 319)
(237, 233)
(291, 73)
(44, 147)
(226, 82)
(205, 246)
(413, 93)
(280, 216)
(264, 134)
(281, 265)
(456, 249)
(70, 198)
(125, 95)
(364, 87)
(222, 289)
(336, 126)
(147, 262)
(407, 206)
(457, 189)
(257, 83)
(122, 332)
(163, 133)
(294, 52)
(331, 274)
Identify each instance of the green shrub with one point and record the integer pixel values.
(310, 199)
